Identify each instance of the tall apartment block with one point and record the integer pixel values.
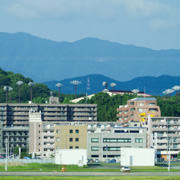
(30, 117)
(164, 135)
(18, 114)
(135, 108)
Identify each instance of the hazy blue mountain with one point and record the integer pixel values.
(45, 60)
(151, 85)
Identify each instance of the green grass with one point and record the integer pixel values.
(48, 167)
(93, 178)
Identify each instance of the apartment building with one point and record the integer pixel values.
(105, 141)
(137, 109)
(72, 136)
(18, 114)
(164, 135)
(15, 136)
(64, 135)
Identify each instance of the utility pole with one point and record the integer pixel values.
(168, 139)
(59, 85)
(31, 84)
(19, 83)
(75, 83)
(6, 142)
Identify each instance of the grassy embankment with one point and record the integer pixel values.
(93, 178)
(38, 167)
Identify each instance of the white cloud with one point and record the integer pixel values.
(143, 7)
(157, 13)
(98, 8)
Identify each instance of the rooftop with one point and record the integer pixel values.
(143, 99)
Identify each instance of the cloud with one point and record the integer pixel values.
(74, 8)
(142, 7)
(157, 13)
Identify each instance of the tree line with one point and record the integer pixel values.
(107, 105)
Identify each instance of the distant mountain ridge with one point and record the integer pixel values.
(151, 85)
(45, 60)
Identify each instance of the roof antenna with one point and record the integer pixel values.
(88, 84)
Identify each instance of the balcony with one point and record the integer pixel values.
(48, 134)
(48, 146)
(48, 140)
(159, 129)
(159, 123)
(162, 147)
(162, 141)
(53, 109)
(55, 114)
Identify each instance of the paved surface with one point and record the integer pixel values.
(89, 174)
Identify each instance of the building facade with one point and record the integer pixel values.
(137, 109)
(164, 135)
(15, 136)
(104, 141)
(18, 114)
(72, 136)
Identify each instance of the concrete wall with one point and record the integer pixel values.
(137, 157)
(71, 156)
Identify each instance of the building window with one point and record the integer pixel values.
(139, 140)
(70, 147)
(94, 148)
(77, 139)
(57, 147)
(107, 148)
(141, 104)
(70, 131)
(94, 140)
(94, 156)
(58, 131)
(77, 147)
(57, 139)
(117, 140)
(77, 131)
(71, 139)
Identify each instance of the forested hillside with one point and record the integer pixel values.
(107, 105)
(40, 93)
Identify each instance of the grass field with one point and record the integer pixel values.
(47, 167)
(94, 178)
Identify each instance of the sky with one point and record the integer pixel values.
(147, 23)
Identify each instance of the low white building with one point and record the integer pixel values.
(71, 157)
(137, 157)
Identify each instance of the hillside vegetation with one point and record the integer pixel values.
(41, 92)
(107, 105)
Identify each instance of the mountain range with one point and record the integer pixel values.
(151, 85)
(46, 60)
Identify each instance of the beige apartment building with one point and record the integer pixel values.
(137, 109)
(72, 136)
